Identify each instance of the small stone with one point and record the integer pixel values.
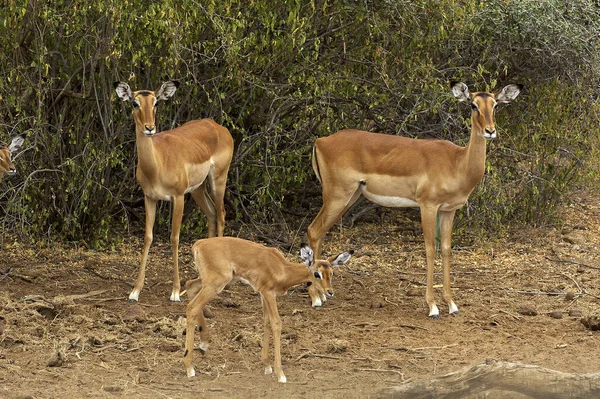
(414, 292)
(570, 295)
(337, 346)
(134, 312)
(527, 310)
(591, 322)
(112, 388)
(375, 304)
(56, 360)
(575, 313)
(556, 315)
(207, 313)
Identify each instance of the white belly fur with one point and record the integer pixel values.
(393, 202)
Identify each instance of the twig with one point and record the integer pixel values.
(407, 349)
(534, 292)
(309, 354)
(557, 259)
(401, 374)
(510, 314)
(388, 301)
(573, 280)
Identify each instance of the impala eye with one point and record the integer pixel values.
(135, 104)
(474, 107)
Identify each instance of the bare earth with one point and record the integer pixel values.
(67, 331)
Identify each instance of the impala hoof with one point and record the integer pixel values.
(453, 308)
(175, 298)
(132, 300)
(134, 296)
(268, 370)
(434, 316)
(282, 379)
(191, 372)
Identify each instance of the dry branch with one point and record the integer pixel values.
(496, 379)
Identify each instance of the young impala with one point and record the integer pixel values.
(6, 165)
(223, 259)
(192, 158)
(435, 175)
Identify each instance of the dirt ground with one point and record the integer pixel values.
(66, 329)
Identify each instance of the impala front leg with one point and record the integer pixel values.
(178, 202)
(265, 357)
(150, 205)
(428, 216)
(446, 221)
(271, 305)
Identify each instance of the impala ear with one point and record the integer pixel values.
(307, 255)
(123, 91)
(342, 258)
(167, 90)
(509, 93)
(16, 143)
(461, 91)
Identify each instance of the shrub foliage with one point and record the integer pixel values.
(279, 74)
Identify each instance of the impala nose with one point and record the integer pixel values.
(490, 133)
(12, 171)
(149, 130)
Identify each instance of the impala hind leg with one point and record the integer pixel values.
(428, 222)
(446, 221)
(150, 205)
(206, 204)
(218, 195)
(334, 207)
(195, 316)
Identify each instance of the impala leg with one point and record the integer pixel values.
(428, 216)
(446, 221)
(218, 196)
(150, 205)
(265, 358)
(195, 316)
(207, 206)
(332, 210)
(271, 305)
(178, 202)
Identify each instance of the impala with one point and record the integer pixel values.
(6, 165)
(192, 158)
(435, 175)
(223, 259)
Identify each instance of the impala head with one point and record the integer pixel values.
(144, 103)
(483, 105)
(6, 165)
(324, 268)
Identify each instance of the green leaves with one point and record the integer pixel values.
(279, 74)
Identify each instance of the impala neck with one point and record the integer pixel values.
(295, 273)
(475, 153)
(146, 151)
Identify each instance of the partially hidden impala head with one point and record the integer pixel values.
(6, 165)
(483, 105)
(144, 103)
(324, 267)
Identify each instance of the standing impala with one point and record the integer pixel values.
(435, 175)
(192, 158)
(6, 165)
(221, 260)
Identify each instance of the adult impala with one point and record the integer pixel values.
(6, 165)
(192, 158)
(435, 175)
(223, 259)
